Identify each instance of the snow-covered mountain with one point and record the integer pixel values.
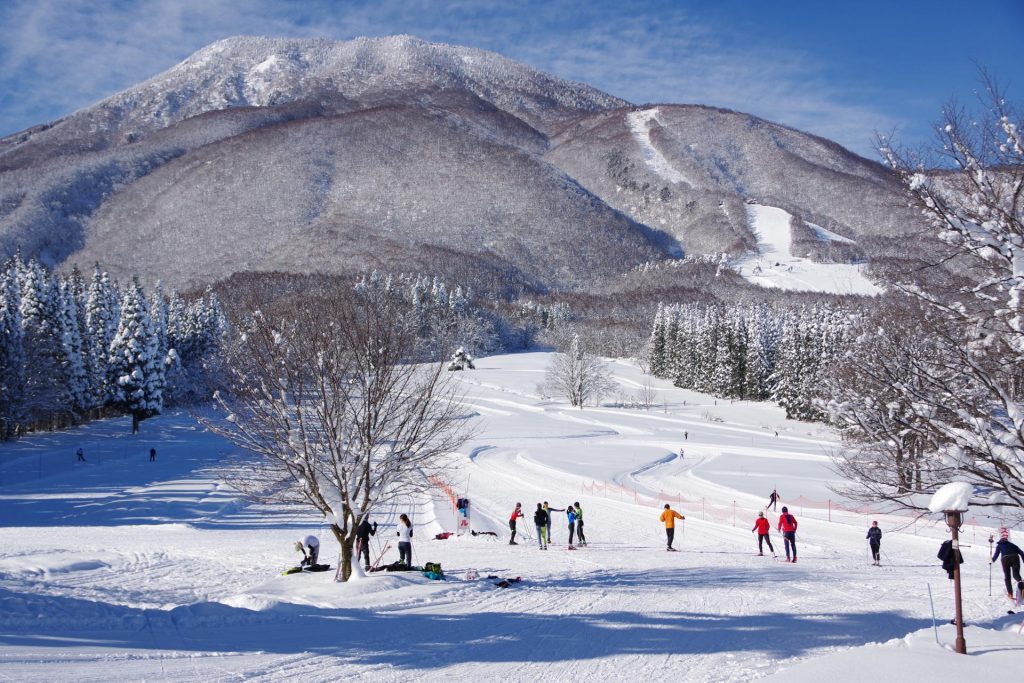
(315, 155)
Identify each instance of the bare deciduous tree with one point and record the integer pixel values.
(337, 417)
(578, 375)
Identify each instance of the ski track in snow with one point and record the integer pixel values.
(640, 126)
(775, 266)
(133, 570)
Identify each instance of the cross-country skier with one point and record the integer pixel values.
(541, 520)
(404, 539)
(580, 538)
(550, 527)
(763, 529)
(1011, 560)
(570, 513)
(363, 533)
(773, 501)
(669, 517)
(310, 549)
(152, 455)
(787, 525)
(516, 514)
(81, 455)
(875, 541)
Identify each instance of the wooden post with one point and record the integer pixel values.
(953, 520)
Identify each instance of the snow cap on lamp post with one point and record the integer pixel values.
(953, 497)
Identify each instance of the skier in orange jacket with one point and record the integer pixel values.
(669, 517)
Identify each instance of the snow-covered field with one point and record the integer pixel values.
(775, 266)
(123, 569)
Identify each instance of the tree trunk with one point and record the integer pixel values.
(347, 543)
(135, 423)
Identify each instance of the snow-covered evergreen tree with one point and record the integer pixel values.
(135, 366)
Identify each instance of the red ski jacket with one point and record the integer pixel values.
(787, 522)
(516, 514)
(762, 526)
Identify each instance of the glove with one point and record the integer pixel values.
(298, 546)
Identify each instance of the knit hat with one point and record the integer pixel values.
(785, 509)
(1004, 533)
(760, 514)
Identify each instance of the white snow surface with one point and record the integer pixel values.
(775, 266)
(123, 569)
(956, 495)
(640, 125)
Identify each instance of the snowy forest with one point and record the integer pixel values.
(754, 351)
(72, 349)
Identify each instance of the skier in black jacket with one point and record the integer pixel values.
(363, 533)
(540, 519)
(875, 541)
(1011, 560)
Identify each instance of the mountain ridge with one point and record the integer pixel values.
(414, 145)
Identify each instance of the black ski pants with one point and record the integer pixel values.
(512, 527)
(579, 532)
(761, 540)
(876, 548)
(572, 529)
(1011, 564)
(363, 550)
(671, 533)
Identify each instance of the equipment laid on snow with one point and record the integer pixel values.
(308, 568)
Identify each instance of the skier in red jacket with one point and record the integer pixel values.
(787, 525)
(516, 514)
(763, 528)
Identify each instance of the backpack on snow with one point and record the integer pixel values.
(433, 567)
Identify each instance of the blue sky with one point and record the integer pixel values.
(842, 70)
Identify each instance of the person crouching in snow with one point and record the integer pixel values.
(787, 525)
(763, 528)
(669, 517)
(310, 549)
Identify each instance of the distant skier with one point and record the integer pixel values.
(152, 455)
(787, 525)
(875, 541)
(1011, 560)
(310, 549)
(580, 538)
(686, 436)
(541, 520)
(404, 539)
(550, 527)
(363, 533)
(570, 513)
(773, 501)
(669, 517)
(516, 514)
(763, 529)
(81, 455)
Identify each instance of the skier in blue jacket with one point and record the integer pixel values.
(1011, 560)
(570, 513)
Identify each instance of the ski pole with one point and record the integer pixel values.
(990, 538)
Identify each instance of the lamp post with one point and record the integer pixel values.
(953, 519)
